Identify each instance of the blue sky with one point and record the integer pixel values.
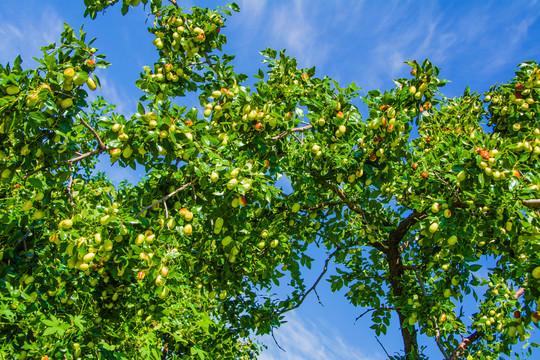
(475, 43)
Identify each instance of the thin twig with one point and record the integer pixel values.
(312, 288)
(166, 211)
(318, 298)
(173, 2)
(70, 183)
(304, 128)
(70, 161)
(165, 198)
(376, 338)
(273, 337)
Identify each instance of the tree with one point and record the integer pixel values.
(410, 202)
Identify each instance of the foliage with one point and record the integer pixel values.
(426, 201)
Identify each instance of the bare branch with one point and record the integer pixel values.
(83, 156)
(312, 288)
(165, 198)
(166, 211)
(96, 136)
(283, 134)
(386, 352)
(70, 182)
(532, 203)
(173, 2)
(398, 233)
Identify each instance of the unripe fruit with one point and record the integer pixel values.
(536, 272)
(39, 214)
(27, 205)
(6, 173)
(232, 184)
(433, 227)
(274, 243)
(66, 103)
(104, 220)
(214, 177)
(89, 257)
(66, 224)
(296, 208)
(91, 84)
(32, 100)
(12, 90)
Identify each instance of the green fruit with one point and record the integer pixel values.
(435, 207)
(27, 205)
(232, 184)
(89, 257)
(214, 177)
(536, 272)
(452, 240)
(39, 214)
(32, 100)
(296, 208)
(274, 243)
(226, 241)
(66, 224)
(433, 227)
(68, 102)
(461, 175)
(12, 90)
(6, 173)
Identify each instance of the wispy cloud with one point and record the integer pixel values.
(25, 32)
(303, 339)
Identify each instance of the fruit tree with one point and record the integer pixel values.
(409, 202)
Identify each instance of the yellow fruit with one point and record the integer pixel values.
(536, 272)
(69, 73)
(91, 84)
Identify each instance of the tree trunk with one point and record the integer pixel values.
(396, 270)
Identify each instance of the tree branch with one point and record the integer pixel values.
(96, 136)
(312, 288)
(398, 233)
(165, 198)
(285, 133)
(532, 203)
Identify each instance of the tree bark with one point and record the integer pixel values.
(396, 270)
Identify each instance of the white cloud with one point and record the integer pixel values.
(304, 339)
(25, 32)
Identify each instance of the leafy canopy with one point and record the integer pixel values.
(410, 203)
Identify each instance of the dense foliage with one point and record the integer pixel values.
(410, 203)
